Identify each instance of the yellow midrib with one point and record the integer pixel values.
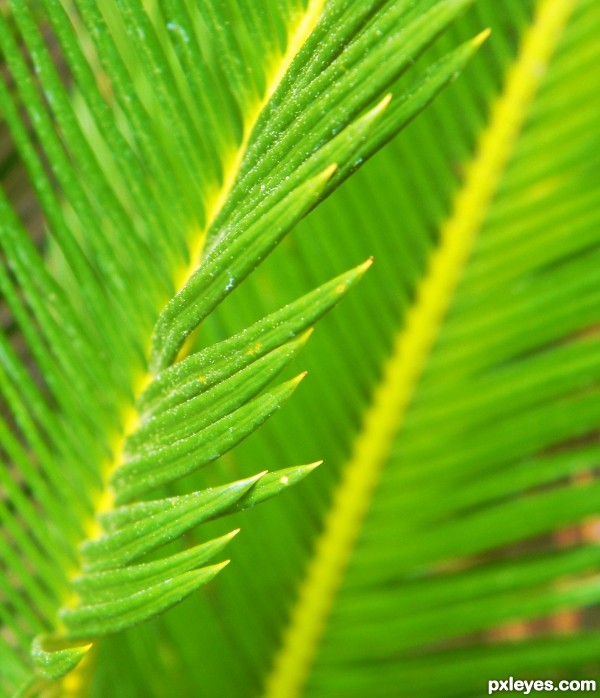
(298, 38)
(74, 683)
(130, 419)
(411, 349)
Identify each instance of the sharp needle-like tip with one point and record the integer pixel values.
(481, 37)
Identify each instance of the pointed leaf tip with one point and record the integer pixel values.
(298, 379)
(306, 335)
(110, 585)
(327, 173)
(381, 106)
(481, 37)
(353, 276)
(107, 617)
(272, 484)
(290, 476)
(53, 660)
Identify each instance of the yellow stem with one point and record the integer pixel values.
(411, 349)
(74, 684)
(130, 419)
(298, 38)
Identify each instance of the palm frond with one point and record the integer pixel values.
(481, 430)
(487, 454)
(174, 153)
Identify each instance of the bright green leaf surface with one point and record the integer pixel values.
(453, 396)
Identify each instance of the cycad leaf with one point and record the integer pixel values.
(177, 147)
(469, 551)
(448, 429)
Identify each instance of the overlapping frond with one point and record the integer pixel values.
(477, 530)
(174, 152)
(489, 453)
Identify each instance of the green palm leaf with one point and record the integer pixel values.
(173, 153)
(453, 398)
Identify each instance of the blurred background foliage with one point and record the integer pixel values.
(476, 552)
